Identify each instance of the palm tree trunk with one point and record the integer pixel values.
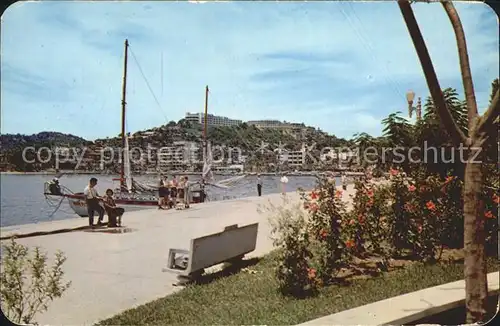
(476, 287)
(474, 237)
(479, 130)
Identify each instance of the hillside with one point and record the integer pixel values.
(246, 138)
(46, 138)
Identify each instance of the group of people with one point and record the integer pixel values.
(93, 201)
(173, 193)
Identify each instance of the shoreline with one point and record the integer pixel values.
(293, 174)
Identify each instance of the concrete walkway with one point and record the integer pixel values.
(407, 308)
(114, 272)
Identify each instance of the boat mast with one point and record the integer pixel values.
(124, 92)
(205, 129)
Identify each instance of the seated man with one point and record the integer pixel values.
(54, 187)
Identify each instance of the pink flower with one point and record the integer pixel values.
(313, 207)
(311, 273)
(430, 205)
(411, 188)
(393, 172)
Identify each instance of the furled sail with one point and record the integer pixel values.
(208, 175)
(127, 172)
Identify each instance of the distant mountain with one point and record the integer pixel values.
(246, 138)
(45, 138)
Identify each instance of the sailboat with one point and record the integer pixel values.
(134, 193)
(207, 173)
(130, 192)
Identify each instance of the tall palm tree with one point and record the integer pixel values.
(482, 130)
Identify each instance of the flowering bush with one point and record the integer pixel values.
(403, 209)
(370, 219)
(491, 198)
(289, 229)
(420, 215)
(424, 214)
(332, 246)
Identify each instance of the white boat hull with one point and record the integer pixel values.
(79, 207)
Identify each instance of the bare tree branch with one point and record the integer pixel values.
(464, 61)
(430, 75)
(487, 123)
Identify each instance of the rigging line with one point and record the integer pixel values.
(147, 83)
(362, 40)
(363, 30)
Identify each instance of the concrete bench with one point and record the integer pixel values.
(407, 308)
(230, 246)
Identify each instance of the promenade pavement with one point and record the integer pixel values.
(111, 273)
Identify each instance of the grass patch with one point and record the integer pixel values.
(252, 298)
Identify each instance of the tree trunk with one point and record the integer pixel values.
(480, 130)
(474, 237)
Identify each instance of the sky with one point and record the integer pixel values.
(338, 66)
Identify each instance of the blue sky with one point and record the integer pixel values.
(341, 67)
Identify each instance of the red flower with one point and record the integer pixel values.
(489, 214)
(419, 228)
(314, 195)
(411, 188)
(370, 203)
(496, 199)
(369, 193)
(349, 243)
(338, 193)
(323, 233)
(393, 172)
(361, 218)
(430, 205)
(311, 273)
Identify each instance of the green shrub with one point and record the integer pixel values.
(27, 283)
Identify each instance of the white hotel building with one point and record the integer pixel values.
(212, 120)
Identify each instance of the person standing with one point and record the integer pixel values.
(343, 179)
(173, 190)
(187, 192)
(166, 194)
(180, 193)
(161, 192)
(259, 185)
(284, 181)
(92, 199)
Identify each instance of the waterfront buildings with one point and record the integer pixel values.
(293, 159)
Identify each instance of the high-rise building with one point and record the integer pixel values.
(212, 120)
